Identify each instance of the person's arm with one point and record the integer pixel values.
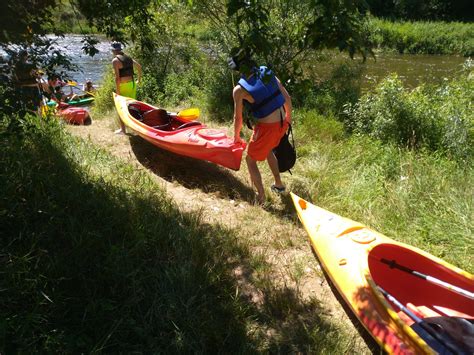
(115, 64)
(288, 106)
(238, 108)
(139, 71)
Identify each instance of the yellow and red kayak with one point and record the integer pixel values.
(409, 301)
(177, 134)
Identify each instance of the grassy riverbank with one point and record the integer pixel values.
(420, 198)
(71, 20)
(97, 258)
(423, 37)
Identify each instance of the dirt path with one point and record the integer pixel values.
(224, 196)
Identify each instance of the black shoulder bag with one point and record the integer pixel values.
(285, 152)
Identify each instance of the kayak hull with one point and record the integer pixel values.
(80, 101)
(194, 140)
(73, 115)
(355, 259)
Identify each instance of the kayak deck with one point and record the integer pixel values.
(178, 134)
(355, 259)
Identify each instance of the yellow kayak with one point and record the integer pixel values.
(409, 301)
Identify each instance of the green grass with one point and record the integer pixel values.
(96, 258)
(423, 37)
(417, 197)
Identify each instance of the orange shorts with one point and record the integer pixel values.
(265, 137)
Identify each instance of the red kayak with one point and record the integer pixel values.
(73, 115)
(179, 135)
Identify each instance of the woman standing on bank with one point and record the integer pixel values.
(124, 66)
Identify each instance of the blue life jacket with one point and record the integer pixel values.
(263, 87)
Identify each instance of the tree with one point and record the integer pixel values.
(25, 25)
(284, 32)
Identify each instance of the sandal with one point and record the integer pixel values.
(278, 190)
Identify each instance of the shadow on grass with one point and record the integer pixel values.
(190, 173)
(94, 258)
(94, 264)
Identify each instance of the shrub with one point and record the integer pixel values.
(103, 98)
(438, 118)
(330, 95)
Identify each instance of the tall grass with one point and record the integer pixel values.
(95, 258)
(418, 197)
(423, 37)
(439, 118)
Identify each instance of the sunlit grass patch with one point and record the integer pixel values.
(421, 198)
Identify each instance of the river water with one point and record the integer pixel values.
(412, 69)
(90, 68)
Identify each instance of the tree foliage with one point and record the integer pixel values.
(25, 25)
(268, 25)
(447, 10)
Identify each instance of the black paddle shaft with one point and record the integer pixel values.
(443, 338)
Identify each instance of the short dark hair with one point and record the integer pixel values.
(241, 60)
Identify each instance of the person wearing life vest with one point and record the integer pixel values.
(125, 83)
(270, 104)
(52, 89)
(88, 88)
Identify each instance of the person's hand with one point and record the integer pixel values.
(237, 139)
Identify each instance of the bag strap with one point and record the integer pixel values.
(290, 131)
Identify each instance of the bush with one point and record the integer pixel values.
(103, 97)
(329, 96)
(437, 118)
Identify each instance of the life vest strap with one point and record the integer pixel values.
(266, 100)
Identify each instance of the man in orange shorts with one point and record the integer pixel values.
(270, 104)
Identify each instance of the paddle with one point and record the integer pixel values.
(189, 113)
(393, 264)
(444, 339)
(76, 84)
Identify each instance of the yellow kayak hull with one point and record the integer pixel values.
(351, 255)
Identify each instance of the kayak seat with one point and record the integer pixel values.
(157, 118)
(135, 112)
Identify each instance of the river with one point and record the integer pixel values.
(90, 68)
(412, 69)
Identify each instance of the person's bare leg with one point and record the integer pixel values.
(121, 130)
(273, 163)
(256, 178)
(122, 127)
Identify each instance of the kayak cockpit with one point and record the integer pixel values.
(426, 295)
(389, 265)
(158, 118)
